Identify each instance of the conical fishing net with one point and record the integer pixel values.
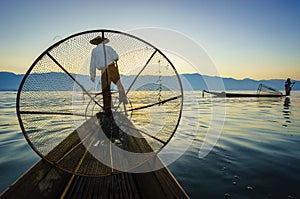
(60, 109)
(264, 89)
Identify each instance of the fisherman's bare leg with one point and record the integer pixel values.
(105, 84)
(115, 78)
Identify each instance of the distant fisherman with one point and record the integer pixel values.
(288, 86)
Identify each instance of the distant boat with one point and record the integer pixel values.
(224, 94)
(262, 91)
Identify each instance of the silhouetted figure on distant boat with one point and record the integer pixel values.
(288, 86)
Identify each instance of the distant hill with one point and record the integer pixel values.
(10, 81)
(60, 81)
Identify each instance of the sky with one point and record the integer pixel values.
(257, 39)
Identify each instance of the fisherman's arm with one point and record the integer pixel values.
(113, 54)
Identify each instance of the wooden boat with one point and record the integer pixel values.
(225, 94)
(262, 91)
(45, 180)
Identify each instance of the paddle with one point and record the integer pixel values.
(293, 85)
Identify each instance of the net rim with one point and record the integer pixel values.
(103, 31)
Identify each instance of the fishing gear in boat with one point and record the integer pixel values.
(61, 111)
(262, 88)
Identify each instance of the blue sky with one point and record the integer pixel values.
(245, 39)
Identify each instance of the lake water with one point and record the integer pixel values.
(257, 154)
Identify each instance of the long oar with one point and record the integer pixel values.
(293, 85)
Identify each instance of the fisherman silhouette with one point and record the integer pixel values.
(288, 86)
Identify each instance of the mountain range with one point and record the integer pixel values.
(60, 81)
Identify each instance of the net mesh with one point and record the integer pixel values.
(57, 98)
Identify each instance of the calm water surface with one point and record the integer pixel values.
(256, 156)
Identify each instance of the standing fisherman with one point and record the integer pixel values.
(105, 58)
(288, 86)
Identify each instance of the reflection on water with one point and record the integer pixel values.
(256, 156)
(286, 111)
